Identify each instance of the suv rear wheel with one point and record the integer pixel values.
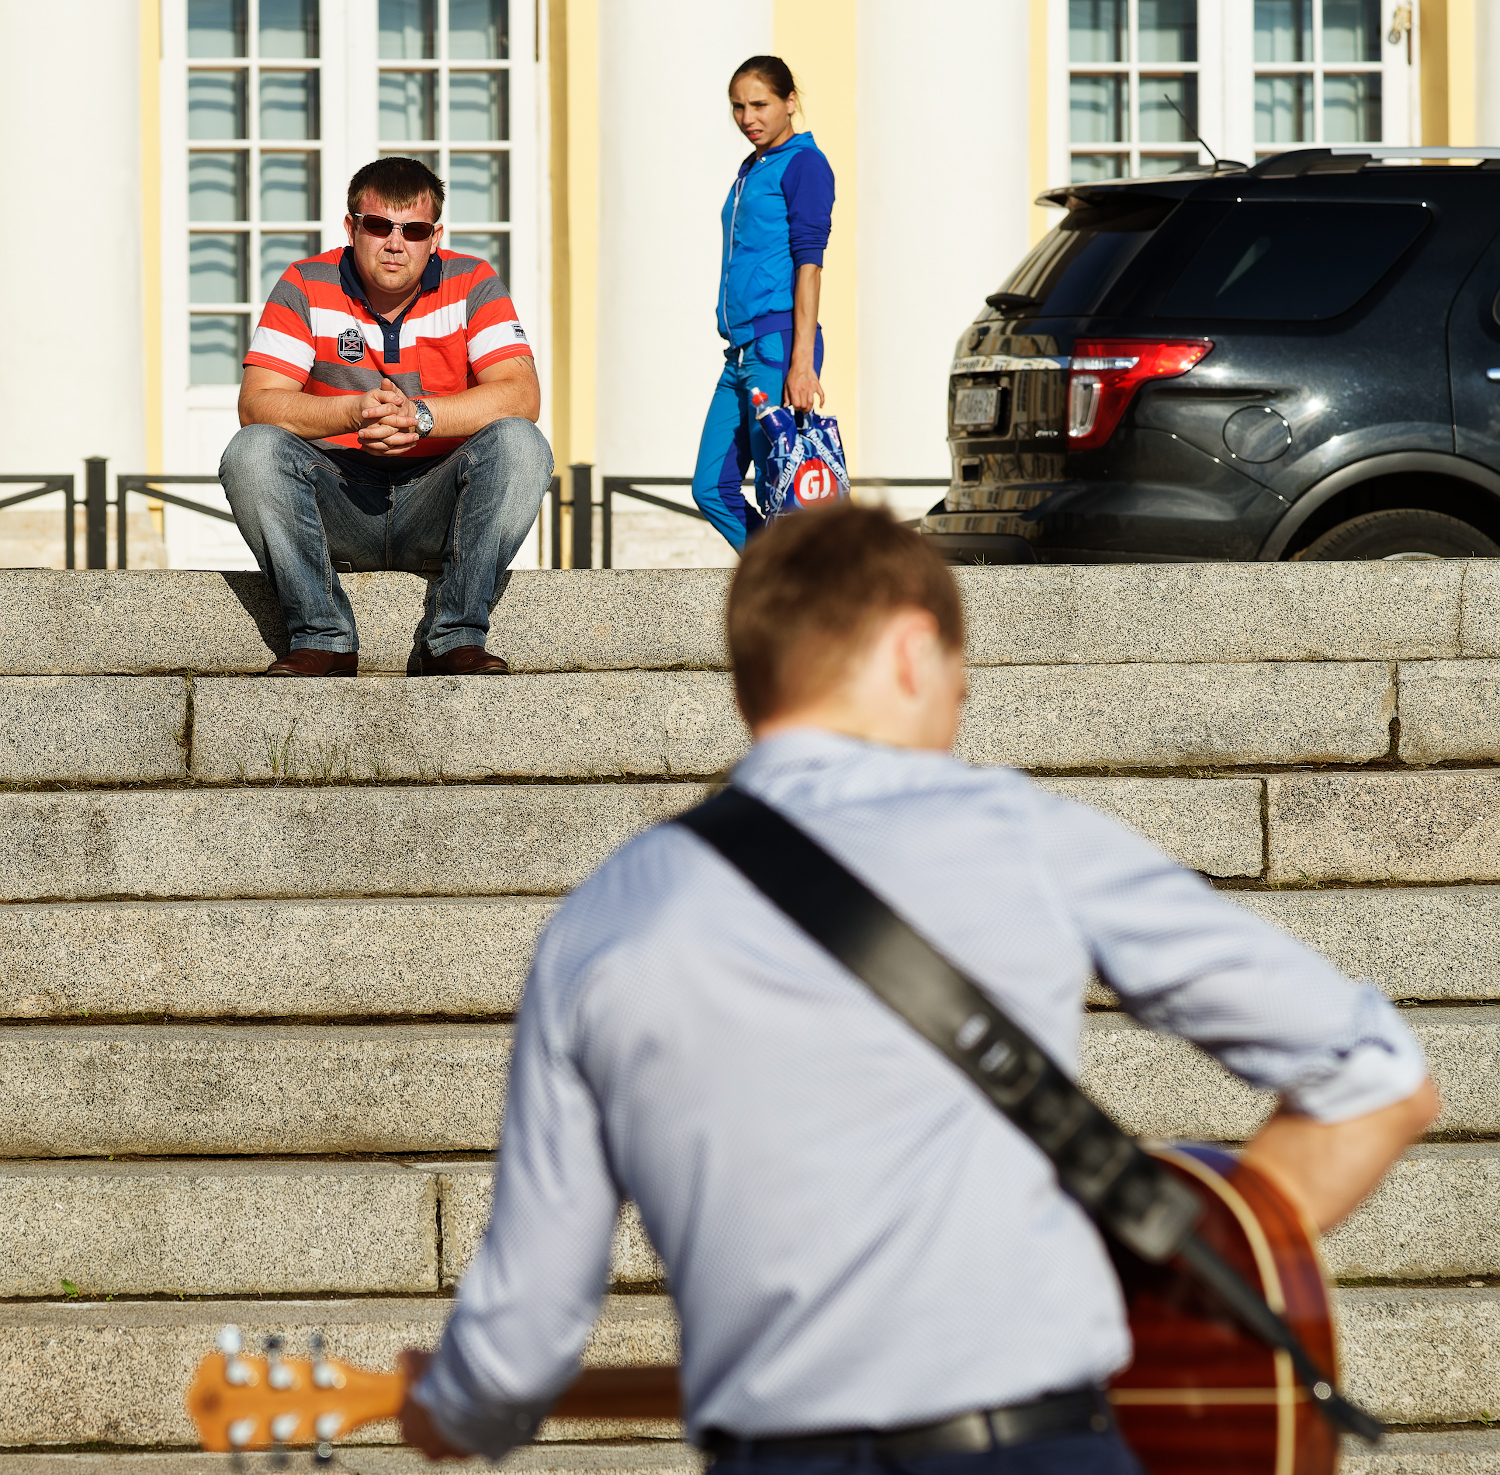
(1400, 533)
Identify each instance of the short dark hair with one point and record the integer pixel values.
(808, 589)
(399, 182)
(771, 70)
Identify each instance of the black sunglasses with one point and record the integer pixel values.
(379, 226)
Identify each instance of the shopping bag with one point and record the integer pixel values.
(806, 465)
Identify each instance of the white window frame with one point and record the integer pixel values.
(1226, 71)
(197, 420)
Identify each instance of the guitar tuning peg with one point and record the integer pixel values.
(278, 1374)
(230, 1342)
(324, 1374)
(323, 1454)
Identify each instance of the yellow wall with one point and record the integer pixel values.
(1449, 46)
(150, 64)
(573, 41)
(818, 39)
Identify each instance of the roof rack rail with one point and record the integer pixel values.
(1298, 162)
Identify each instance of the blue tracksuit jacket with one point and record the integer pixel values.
(776, 219)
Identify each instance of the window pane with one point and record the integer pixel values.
(1351, 30)
(216, 104)
(216, 268)
(216, 28)
(407, 29)
(1351, 108)
(216, 348)
(478, 106)
(1298, 262)
(1096, 109)
(1088, 167)
(216, 187)
(288, 27)
(278, 252)
(406, 107)
(479, 186)
(1096, 30)
(1284, 109)
(1283, 30)
(476, 30)
(421, 156)
(1169, 30)
(1167, 163)
(289, 187)
(288, 104)
(493, 248)
(1160, 120)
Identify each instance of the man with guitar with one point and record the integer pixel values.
(870, 1262)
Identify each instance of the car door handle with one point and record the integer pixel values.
(1493, 375)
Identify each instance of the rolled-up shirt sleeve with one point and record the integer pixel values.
(1187, 961)
(527, 1303)
(807, 186)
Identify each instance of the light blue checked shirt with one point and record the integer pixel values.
(853, 1235)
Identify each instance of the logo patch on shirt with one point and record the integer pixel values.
(519, 331)
(351, 346)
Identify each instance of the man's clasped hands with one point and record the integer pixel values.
(387, 422)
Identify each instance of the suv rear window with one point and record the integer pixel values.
(1293, 261)
(1069, 270)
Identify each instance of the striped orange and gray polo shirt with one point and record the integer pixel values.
(318, 329)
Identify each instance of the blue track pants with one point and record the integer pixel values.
(732, 436)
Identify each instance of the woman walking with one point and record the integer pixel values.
(776, 222)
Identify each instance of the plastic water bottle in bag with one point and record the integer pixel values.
(806, 465)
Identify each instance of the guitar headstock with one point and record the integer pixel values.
(242, 1403)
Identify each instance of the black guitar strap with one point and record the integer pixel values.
(1129, 1195)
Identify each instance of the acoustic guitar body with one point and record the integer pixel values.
(1203, 1394)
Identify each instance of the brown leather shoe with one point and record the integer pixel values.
(465, 660)
(316, 663)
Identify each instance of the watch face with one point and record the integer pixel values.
(424, 419)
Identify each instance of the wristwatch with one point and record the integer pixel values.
(424, 418)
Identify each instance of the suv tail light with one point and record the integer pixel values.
(1105, 374)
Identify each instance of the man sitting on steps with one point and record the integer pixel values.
(388, 410)
(857, 1242)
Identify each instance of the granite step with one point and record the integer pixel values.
(87, 1090)
(78, 622)
(657, 723)
(113, 1372)
(469, 956)
(656, 1457)
(288, 1227)
(455, 840)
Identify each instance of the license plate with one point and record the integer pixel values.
(976, 409)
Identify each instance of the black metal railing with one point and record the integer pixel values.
(151, 486)
(44, 486)
(579, 541)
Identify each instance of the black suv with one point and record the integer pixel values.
(1299, 360)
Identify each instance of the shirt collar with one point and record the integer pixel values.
(432, 279)
(810, 748)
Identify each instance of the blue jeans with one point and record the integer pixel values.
(732, 436)
(1063, 1454)
(306, 514)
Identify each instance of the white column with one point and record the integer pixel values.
(667, 157)
(944, 207)
(1487, 72)
(69, 114)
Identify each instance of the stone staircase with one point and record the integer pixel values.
(261, 943)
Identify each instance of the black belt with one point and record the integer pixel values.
(1081, 1411)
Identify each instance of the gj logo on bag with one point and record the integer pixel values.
(806, 465)
(813, 482)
